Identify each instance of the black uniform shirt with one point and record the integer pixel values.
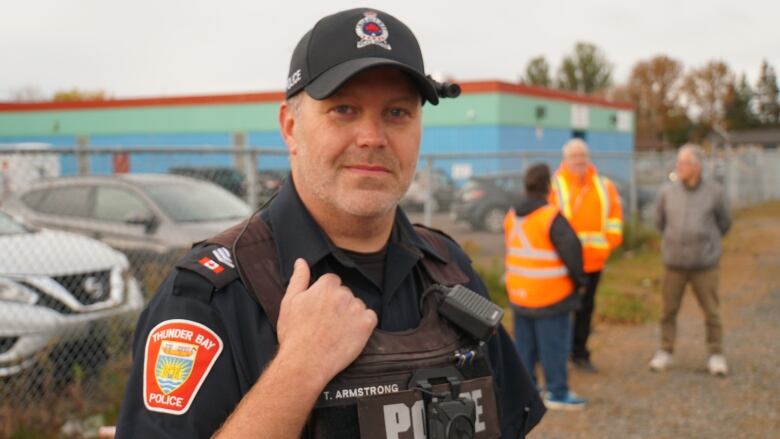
(249, 342)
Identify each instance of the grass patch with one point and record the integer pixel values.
(629, 291)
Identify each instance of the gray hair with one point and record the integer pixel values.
(694, 151)
(294, 102)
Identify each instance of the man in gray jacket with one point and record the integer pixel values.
(692, 215)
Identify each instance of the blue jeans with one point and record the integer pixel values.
(547, 340)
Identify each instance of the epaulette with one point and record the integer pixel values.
(419, 226)
(212, 262)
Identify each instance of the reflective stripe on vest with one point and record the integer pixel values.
(593, 239)
(614, 226)
(535, 275)
(564, 200)
(601, 190)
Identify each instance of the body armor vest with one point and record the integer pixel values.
(376, 396)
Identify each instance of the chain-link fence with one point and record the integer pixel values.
(87, 235)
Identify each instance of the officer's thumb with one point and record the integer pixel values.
(299, 281)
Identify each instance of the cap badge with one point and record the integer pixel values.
(371, 30)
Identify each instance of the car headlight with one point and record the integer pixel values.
(11, 291)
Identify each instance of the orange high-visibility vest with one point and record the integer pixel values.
(592, 207)
(535, 275)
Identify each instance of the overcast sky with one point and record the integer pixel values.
(136, 48)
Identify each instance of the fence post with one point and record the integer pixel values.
(633, 194)
(428, 206)
(523, 162)
(82, 157)
(239, 142)
(732, 184)
(250, 170)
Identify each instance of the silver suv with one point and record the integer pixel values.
(56, 288)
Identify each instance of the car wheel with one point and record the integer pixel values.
(493, 219)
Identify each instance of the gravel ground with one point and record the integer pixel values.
(629, 401)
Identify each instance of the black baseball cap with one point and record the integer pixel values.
(344, 44)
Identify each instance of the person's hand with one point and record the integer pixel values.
(324, 326)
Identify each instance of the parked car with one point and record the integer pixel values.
(267, 182)
(149, 215)
(57, 289)
(443, 190)
(484, 200)
(227, 177)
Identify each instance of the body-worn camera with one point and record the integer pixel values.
(449, 416)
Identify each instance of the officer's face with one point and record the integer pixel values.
(357, 150)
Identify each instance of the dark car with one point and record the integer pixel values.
(443, 191)
(268, 183)
(484, 200)
(229, 178)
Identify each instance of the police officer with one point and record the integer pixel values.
(244, 336)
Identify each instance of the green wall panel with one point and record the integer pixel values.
(199, 118)
(473, 109)
(520, 110)
(468, 110)
(601, 119)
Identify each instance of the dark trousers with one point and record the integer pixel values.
(545, 340)
(583, 317)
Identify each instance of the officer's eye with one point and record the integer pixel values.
(344, 110)
(398, 113)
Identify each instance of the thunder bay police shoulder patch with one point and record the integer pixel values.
(179, 355)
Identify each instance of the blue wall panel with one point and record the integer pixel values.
(471, 139)
(161, 163)
(269, 139)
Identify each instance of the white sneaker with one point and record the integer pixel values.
(661, 360)
(717, 365)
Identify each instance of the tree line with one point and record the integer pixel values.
(672, 104)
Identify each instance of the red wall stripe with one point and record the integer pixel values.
(254, 98)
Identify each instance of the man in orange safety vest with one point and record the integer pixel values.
(592, 205)
(543, 275)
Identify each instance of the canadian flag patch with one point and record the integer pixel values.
(179, 355)
(211, 264)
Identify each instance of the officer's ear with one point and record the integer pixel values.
(288, 113)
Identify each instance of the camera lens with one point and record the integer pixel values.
(460, 427)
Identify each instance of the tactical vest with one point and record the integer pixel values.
(373, 397)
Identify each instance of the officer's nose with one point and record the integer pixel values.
(371, 132)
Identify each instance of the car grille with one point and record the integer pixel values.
(87, 288)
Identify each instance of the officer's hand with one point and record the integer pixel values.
(324, 325)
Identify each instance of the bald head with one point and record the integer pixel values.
(576, 158)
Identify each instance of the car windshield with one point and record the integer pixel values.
(196, 202)
(10, 227)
